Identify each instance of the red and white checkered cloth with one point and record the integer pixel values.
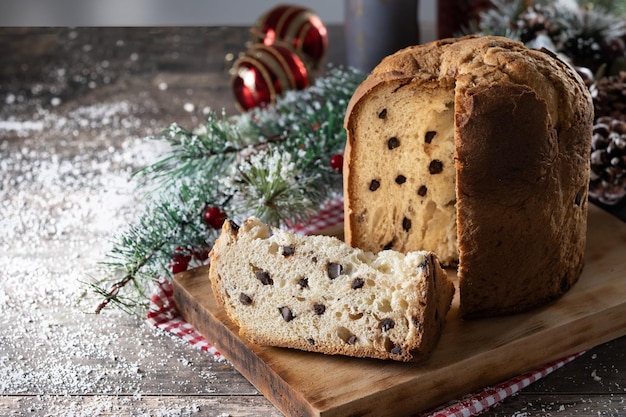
(162, 314)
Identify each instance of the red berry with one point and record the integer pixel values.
(201, 254)
(180, 260)
(336, 162)
(214, 217)
(179, 267)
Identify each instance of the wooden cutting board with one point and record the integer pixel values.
(470, 355)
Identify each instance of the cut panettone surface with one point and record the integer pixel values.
(318, 294)
(402, 185)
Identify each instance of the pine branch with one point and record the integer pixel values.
(272, 163)
(212, 147)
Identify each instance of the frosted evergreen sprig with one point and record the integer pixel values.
(273, 187)
(194, 153)
(271, 162)
(310, 118)
(569, 21)
(142, 254)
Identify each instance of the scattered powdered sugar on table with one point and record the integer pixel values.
(60, 200)
(105, 405)
(76, 107)
(63, 194)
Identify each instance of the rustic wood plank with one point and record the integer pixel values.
(125, 405)
(523, 405)
(470, 355)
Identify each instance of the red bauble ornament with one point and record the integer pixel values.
(265, 73)
(298, 27)
(214, 217)
(180, 260)
(336, 162)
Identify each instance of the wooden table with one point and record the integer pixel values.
(84, 96)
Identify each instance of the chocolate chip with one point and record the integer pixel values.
(388, 245)
(577, 199)
(358, 283)
(382, 114)
(393, 143)
(435, 167)
(429, 136)
(400, 179)
(319, 309)
(374, 185)
(406, 224)
(417, 323)
(264, 277)
(396, 350)
(245, 299)
(334, 270)
(424, 265)
(311, 341)
(428, 266)
(286, 313)
(352, 340)
(233, 225)
(288, 251)
(387, 324)
(422, 191)
(303, 283)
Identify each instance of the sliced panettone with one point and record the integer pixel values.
(318, 294)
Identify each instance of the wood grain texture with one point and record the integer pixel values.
(136, 405)
(470, 354)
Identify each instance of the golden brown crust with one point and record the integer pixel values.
(214, 254)
(523, 128)
(520, 232)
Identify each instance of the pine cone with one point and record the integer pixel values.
(537, 20)
(609, 96)
(592, 37)
(608, 161)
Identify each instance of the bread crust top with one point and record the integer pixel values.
(482, 61)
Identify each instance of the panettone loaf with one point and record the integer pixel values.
(318, 294)
(477, 149)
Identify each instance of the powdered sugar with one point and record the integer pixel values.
(63, 194)
(75, 108)
(20, 126)
(107, 405)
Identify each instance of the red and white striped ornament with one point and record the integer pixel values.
(265, 72)
(298, 27)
